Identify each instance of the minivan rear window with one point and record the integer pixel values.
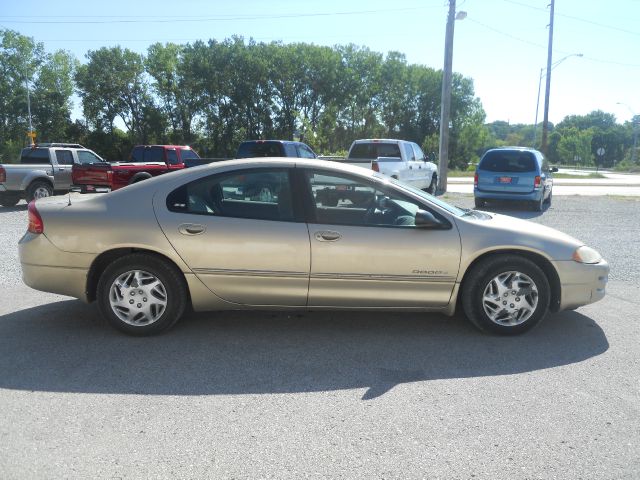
(508, 161)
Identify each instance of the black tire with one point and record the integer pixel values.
(9, 200)
(139, 177)
(39, 189)
(433, 186)
(548, 201)
(479, 203)
(170, 278)
(478, 280)
(538, 205)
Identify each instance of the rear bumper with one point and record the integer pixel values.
(581, 283)
(527, 196)
(46, 268)
(90, 189)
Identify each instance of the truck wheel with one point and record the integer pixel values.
(39, 189)
(138, 177)
(9, 200)
(141, 294)
(505, 294)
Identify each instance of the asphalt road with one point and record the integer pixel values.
(327, 395)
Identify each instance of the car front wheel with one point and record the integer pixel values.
(141, 294)
(505, 294)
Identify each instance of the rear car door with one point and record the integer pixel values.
(62, 169)
(247, 246)
(366, 250)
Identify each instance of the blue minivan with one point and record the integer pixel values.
(513, 174)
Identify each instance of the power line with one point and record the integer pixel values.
(586, 57)
(217, 18)
(573, 17)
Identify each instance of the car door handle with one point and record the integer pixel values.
(191, 229)
(327, 236)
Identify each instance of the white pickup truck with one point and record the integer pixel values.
(44, 169)
(398, 159)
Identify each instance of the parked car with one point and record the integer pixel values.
(44, 169)
(274, 148)
(145, 161)
(399, 159)
(191, 239)
(514, 174)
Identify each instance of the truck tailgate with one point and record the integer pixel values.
(92, 174)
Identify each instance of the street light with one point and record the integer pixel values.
(445, 104)
(554, 65)
(634, 122)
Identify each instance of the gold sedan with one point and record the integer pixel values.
(299, 234)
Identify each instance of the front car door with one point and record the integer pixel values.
(241, 234)
(366, 250)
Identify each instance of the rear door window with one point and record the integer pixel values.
(64, 157)
(172, 156)
(263, 194)
(154, 154)
(508, 161)
(137, 154)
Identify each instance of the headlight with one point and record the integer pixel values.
(585, 254)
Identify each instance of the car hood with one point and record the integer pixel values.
(482, 232)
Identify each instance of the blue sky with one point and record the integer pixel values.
(502, 44)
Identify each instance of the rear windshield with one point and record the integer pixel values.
(34, 155)
(260, 149)
(508, 161)
(374, 150)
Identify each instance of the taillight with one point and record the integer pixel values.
(3, 174)
(36, 224)
(374, 166)
(536, 182)
(475, 180)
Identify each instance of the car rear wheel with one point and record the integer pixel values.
(538, 205)
(39, 190)
(506, 295)
(548, 202)
(141, 295)
(480, 203)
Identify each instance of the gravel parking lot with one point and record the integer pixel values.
(327, 395)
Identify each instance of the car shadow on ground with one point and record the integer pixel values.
(514, 210)
(63, 347)
(21, 207)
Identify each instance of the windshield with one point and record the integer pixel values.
(430, 198)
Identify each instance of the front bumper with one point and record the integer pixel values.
(581, 283)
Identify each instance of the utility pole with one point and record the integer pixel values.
(545, 123)
(445, 105)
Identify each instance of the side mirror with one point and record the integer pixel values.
(426, 219)
(553, 169)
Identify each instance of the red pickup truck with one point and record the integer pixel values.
(145, 161)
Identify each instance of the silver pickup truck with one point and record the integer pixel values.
(44, 169)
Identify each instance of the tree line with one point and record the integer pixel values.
(213, 95)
